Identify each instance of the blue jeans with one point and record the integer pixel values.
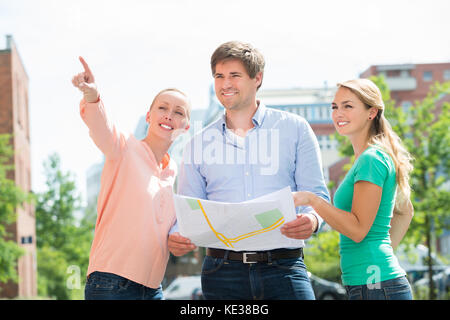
(108, 286)
(282, 279)
(394, 289)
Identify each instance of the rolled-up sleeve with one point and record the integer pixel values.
(308, 168)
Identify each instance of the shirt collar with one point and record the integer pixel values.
(257, 119)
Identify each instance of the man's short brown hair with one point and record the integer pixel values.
(250, 57)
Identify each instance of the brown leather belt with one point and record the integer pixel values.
(255, 256)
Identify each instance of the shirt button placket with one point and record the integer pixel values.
(248, 183)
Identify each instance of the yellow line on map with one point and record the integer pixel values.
(275, 225)
(219, 236)
(228, 241)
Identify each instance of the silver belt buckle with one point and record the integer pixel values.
(244, 257)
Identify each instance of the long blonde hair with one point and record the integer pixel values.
(382, 135)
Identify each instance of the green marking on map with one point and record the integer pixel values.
(193, 204)
(268, 218)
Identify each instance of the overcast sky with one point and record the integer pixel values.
(136, 48)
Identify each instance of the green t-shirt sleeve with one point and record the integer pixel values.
(371, 167)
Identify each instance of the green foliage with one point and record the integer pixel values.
(52, 267)
(11, 197)
(322, 255)
(10, 252)
(429, 144)
(63, 240)
(430, 147)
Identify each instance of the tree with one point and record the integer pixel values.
(427, 138)
(429, 144)
(56, 207)
(11, 197)
(63, 241)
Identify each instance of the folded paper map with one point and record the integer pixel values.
(244, 226)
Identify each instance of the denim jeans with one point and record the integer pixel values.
(108, 286)
(394, 289)
(282, 279)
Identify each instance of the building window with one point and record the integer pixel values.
(404, 74)
(27, 240)
(406, 105)
(323, 113)
(393, 73)
(308, 115)
(327, 111)
(303, 112)
(447, 74)
(427, 76)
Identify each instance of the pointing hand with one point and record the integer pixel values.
(86, 83)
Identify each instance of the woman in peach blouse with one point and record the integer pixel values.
(129, 252)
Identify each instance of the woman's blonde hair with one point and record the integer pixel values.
(382, 135)
(188, 109)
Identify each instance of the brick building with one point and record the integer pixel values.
(411, 82)
(14, 119)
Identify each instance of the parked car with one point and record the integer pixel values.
(441, 283)
(327, 290)
(414, 258)
(415, 274)
(197, 294)
(182, 288)
(413, 261)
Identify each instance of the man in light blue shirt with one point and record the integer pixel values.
(247, 153)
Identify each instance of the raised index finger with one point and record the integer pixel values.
(87, 70)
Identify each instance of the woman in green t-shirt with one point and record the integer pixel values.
(372, 210)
